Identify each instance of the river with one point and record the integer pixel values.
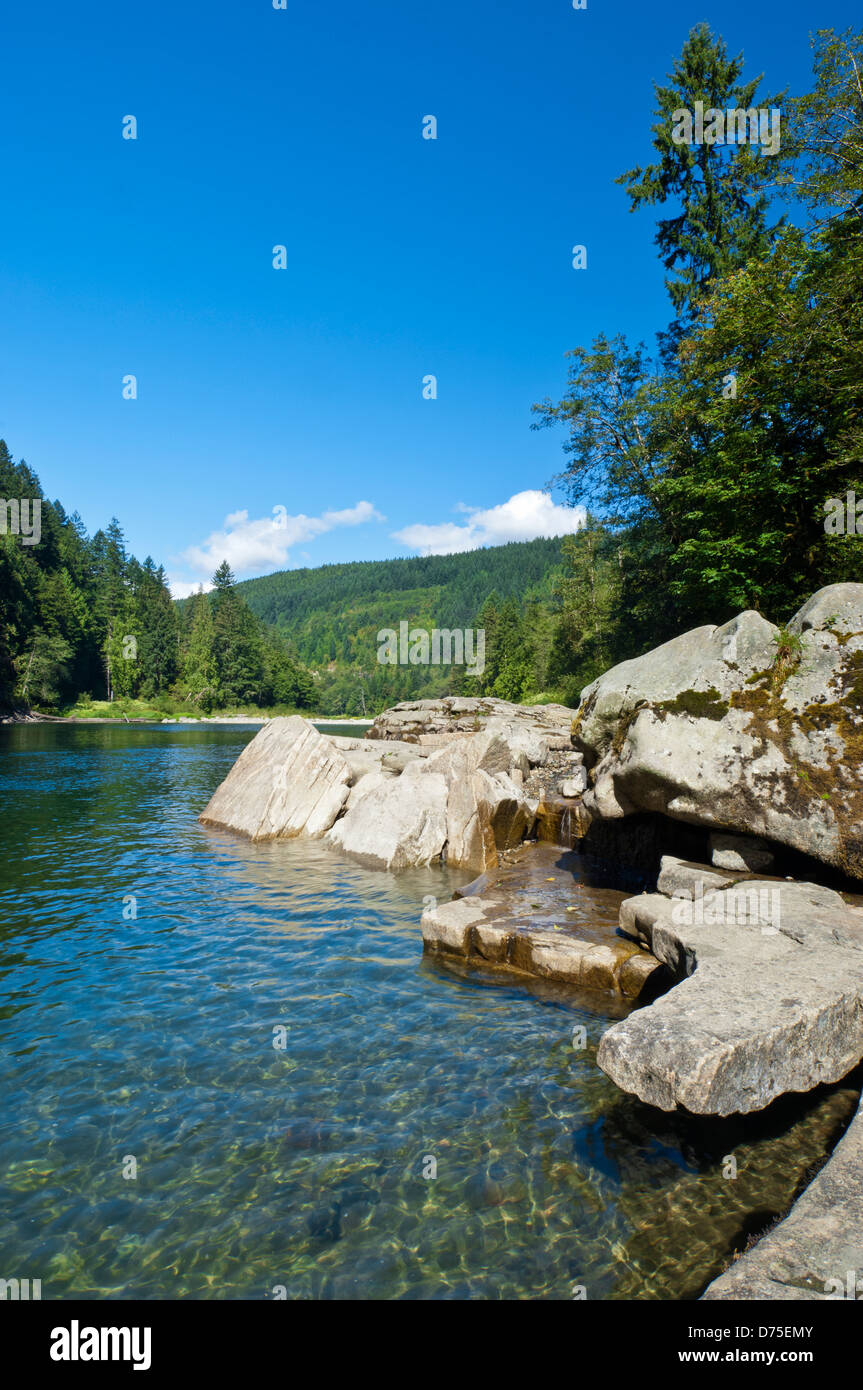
(415, 1132)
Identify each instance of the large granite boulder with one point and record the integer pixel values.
(459, 803)
(740, 728)
(816, 1253)
(288, 781)
(387, 802)
(769, 996)
(400, 823)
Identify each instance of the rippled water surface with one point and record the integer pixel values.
(147, 1041)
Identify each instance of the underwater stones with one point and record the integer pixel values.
(289, 780)
(769, 996)
(817, 1251)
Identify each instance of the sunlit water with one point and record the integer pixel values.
(146, 1041)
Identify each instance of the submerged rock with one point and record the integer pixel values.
(817, 1251)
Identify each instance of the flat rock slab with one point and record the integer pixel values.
(434, 723)
(816, 1253)
(288, 781)
(507, 919)
(769, 999)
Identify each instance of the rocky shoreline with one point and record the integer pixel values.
(720, 772)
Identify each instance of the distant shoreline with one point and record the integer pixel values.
(178, 719)
(250, 719)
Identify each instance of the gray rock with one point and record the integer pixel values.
(481, 929)
(400, 823)
(454, 716)
(838, 607)
(769, 999)
(706, 729)
(575, 784)
(397, 756)
(742, 852)
(288, 781)
(678, 878)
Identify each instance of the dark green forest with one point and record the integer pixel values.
(711, 467)
(331, 617)
(83, 621)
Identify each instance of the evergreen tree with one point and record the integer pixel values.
(199, 669)
(236, 642)
(721, 223)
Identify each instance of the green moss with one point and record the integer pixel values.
(839, 782)
(700, 704)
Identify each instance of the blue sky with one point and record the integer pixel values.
(301, 389)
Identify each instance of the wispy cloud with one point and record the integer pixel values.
(526, 516)
(258, 545)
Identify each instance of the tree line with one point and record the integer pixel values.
(83, 620)
(711, 464)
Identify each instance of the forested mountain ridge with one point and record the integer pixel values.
(324, 610)
(330, 618)
(456, 584)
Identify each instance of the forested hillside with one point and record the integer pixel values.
(445, 590)
(83, 621)
(331, 617)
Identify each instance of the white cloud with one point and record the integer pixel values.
(259, 545)
(524, 517)
(182, 588)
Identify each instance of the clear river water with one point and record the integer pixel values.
(416, 1132)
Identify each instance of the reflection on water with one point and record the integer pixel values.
(151, 1038)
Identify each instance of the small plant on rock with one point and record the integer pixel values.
(789, 652)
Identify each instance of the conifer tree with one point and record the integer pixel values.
(721, 222)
